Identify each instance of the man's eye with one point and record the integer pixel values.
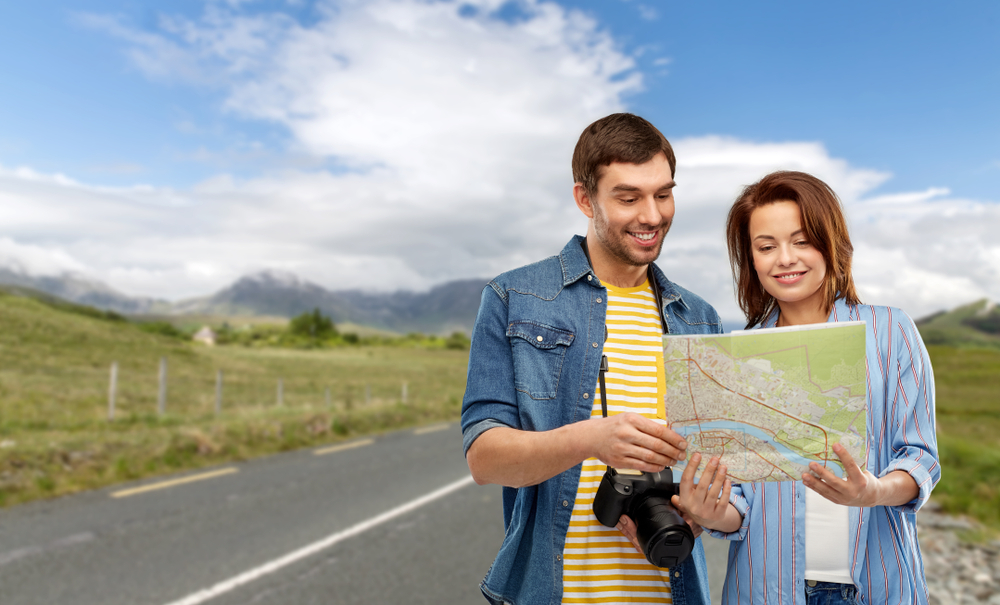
(628, 200)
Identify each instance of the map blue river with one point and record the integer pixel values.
(738, 427)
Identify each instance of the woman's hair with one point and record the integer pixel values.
(824, 226)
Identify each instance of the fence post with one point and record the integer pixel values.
(112, 389)
(404, 393)
(161, 402)
(218, 392)
(281, 392)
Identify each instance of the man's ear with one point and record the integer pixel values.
(583, 201)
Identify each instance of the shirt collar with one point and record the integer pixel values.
(575, 266)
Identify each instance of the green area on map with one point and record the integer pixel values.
(769, 402)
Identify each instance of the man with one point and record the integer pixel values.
(531, 417)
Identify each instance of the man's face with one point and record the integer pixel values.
(633, 209)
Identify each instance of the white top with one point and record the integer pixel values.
(826, 540)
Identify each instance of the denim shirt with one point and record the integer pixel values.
(536, 350)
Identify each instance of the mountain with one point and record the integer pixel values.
(82, 290)
(444, 309)
(974, 325)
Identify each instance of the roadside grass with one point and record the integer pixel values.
(968, 427)
(55, 436)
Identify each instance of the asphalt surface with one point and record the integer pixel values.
(238, 537)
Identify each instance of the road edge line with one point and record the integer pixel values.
(432, 428)
(124, 493)
(342, 447)
(249, 576)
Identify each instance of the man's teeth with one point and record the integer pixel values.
(645, 236)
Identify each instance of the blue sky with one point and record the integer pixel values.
(166, 149)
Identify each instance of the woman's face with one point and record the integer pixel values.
(788, 266)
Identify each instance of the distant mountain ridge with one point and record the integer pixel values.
(976, 324)
(82, 290)
(446, 308)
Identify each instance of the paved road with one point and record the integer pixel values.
(293, 529)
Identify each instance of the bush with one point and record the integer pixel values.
(163, 328)
(457, 340)
(312, 325)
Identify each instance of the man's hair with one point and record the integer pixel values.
(619, 137)
(824, 226)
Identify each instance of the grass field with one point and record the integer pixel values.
(55, 437)
(968, 422)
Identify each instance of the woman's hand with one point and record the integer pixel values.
(706, 503)
(859, 488)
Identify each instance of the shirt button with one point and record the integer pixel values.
(586, 395)
(590, 278)
(677, 574)
(594, 345)
(539, 338)
(598, 299)
(558, 557)
(565, 502)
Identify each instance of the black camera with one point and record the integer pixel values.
(665, 538)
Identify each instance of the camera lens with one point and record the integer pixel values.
(665, 538)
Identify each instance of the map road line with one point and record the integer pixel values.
(258, 572)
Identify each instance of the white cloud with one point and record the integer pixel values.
(454, 130)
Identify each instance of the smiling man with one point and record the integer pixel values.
(532, 418)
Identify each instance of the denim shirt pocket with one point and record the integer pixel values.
(538, 351)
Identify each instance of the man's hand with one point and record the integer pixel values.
(633, 441)
(707, 502)
(627, 527)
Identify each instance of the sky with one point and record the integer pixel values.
(166, 149)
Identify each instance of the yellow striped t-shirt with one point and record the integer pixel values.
(600, 565)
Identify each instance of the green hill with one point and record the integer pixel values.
(55, 359)
(973, 325)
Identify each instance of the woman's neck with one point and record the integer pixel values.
(790, 314)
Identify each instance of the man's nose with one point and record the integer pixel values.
(649, 212)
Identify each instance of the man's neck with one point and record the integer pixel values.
(612, 271)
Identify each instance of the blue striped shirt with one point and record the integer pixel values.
(767, 554)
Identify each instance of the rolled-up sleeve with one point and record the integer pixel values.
(490, 399)
(914, 438)
(737, 499)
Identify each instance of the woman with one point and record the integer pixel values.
(825, 539)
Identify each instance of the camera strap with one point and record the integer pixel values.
(659, 308)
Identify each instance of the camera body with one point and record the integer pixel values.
(665, 538)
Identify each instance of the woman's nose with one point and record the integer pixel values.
(786, 255)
